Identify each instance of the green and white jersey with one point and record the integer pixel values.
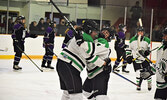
(161, 67)
(78, 55)
(134, 47)
(102, 51)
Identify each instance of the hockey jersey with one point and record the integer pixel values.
(133, 48)
(120, 40)
(49, 36)
(161, 67)
(77, 55)
(19, 32)
(102, 50)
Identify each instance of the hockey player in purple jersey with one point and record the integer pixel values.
(48, 44)
(120, 48)
(18, 35)
(69, 34)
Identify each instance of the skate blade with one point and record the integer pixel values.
(47, 69)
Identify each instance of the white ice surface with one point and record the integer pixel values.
(31, 84)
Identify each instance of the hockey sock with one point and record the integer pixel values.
(45, 57)
(49, 59)
(16, 60)
(149, 81)
(116, 63)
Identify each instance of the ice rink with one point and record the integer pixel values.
(31, 84)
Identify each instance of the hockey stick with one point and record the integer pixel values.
(6, 49)
(51, 1)
(154, 49)
(52, 52)
(125, 63)
(140, 22)
(125, 78)
(133, 59)
(29, 58)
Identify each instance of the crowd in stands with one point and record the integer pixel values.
(40, 27)
(35, 28)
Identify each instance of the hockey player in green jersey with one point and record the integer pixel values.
(137, 44)
(160, 70)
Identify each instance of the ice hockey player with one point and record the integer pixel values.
(72, 61)
(96, 85)
(120, 48)
(69, 34)
(48, 44)
(137, 44)
(18, 35)
(160, 70)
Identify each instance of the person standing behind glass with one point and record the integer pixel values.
(61, 28)
(136, 14)
(41, 26)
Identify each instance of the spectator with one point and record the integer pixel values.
(47, 23)
(157, 34)
(10, 25)
(33, 28)
(61, 28)
(136, 14)
(41, 26)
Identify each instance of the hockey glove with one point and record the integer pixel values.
(79, 39)
(107, 67)
(146, 73)
(33, 35)
(147, 52)
(129, 59)
(141, 52)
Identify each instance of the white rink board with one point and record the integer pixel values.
(34, 46)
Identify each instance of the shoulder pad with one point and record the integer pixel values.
(17, 26)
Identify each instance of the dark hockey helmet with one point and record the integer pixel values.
(51, 24)
(111, 32)
(121, 26)
(89, 26)
(21, 17)
(73, 23)
(140, 29)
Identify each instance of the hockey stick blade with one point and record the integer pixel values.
(5, 50)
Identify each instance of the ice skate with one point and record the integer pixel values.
(49, 66)
(16, 67)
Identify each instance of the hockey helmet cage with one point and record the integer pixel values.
(140, 29)
(111, 33)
